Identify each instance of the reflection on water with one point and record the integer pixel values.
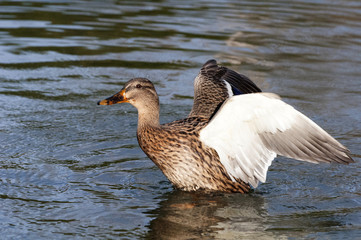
(198, 215)
(232, 216)
(69, 169)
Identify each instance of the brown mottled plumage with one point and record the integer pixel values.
(175, 147)
(189, 152)
(184, 160)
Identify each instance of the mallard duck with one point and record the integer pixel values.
(231, 135)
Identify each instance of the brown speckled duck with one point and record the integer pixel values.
(231, 135)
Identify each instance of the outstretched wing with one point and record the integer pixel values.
(214, 84)
(249, 130)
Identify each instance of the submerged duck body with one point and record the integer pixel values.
(231, 135)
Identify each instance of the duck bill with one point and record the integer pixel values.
(116, 98)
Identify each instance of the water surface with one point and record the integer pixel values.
(72, 169)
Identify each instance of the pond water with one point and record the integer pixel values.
(70, 169)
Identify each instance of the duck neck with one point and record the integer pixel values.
(148, 117)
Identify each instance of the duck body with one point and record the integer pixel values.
(231, 135)
(188, 163)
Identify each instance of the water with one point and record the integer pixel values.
(70, 169)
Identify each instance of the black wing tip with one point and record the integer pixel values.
(241, 82)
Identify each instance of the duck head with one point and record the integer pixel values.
(139, 92)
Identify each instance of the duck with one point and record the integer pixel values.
(231, 136)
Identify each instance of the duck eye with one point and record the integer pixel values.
(138, 86)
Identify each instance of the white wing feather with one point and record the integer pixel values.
(249, 130)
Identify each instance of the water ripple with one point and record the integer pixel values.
(71, 169)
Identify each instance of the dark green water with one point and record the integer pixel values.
(70, 169)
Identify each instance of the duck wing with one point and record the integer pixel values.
(240, 83)
(214, 84)
(249, 130)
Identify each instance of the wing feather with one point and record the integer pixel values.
(249, 131)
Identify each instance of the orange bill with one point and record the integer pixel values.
(116, 98)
